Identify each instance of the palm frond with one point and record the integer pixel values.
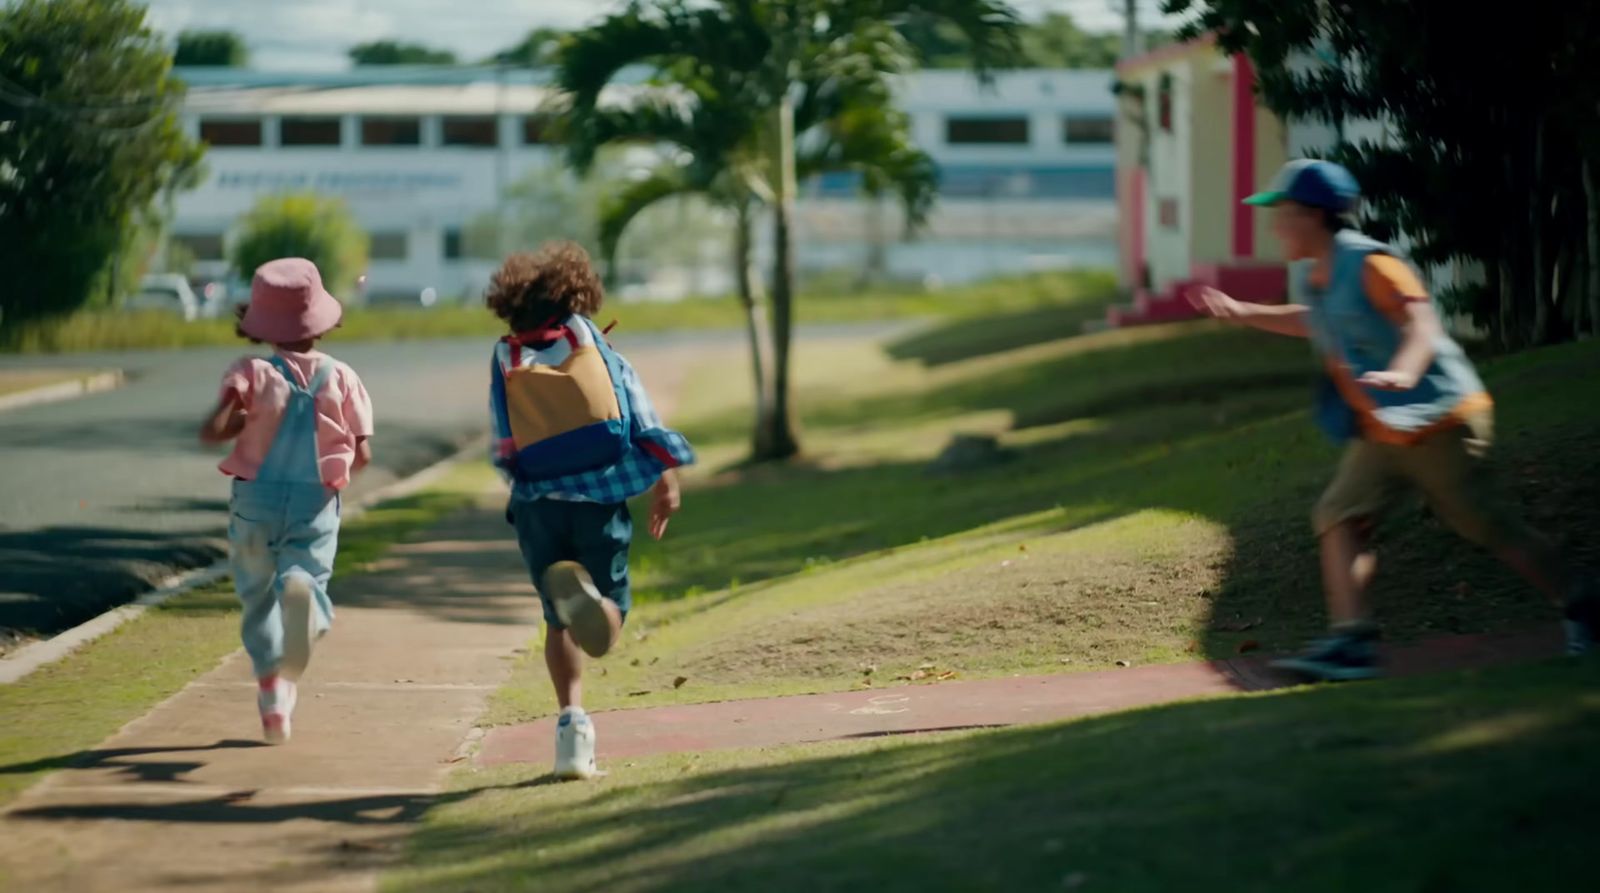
(618, 211)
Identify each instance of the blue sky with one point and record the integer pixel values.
(313, 34)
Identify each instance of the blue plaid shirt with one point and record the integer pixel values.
(655, 449)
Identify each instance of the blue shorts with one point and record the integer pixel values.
(594, 535)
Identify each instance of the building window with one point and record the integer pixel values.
(1091, 130)
(535, 130)
(391, 131)
(223, 132)
(308, 132)
(387, 246)
(471, 131)
(1167, 213)
(986, 131)
(201, 246)
(452, 243)
(1164, 103)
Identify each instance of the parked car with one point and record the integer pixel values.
(221, 296)
(165, 293)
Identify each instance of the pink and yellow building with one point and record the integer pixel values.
(1191, 142)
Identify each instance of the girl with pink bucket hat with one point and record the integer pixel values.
(300, 422)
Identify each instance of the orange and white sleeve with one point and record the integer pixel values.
(1391, 284)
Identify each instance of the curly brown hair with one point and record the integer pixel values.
(533, 287)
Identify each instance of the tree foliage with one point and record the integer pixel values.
(1492, 135)
(89, 138)
(1053, 41)
(211, 48)
(539, 48)
(306, 225)
(389, 52)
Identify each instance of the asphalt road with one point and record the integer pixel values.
(103, 495)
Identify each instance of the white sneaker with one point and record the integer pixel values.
(299, 624)
(578, 603)
(575, 746)
(276, 697)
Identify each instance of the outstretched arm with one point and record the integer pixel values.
(1280, 319)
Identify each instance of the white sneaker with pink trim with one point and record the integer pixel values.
(276, 696)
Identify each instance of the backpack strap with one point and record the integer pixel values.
(318, 378)
(614, 368)
(546, 333)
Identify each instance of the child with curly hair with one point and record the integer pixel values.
(576, 435)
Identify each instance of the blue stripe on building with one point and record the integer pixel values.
(994, 181)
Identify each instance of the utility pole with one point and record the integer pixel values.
(1132, 37)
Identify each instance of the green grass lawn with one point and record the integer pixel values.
(1467, 782)
(16, 381)
(1153, 507)
(74, 704)
(103, 330)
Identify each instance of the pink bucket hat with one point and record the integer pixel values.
(288, 303)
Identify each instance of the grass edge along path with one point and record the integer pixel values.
(94, 330)
(1309, 789)
(83, 699)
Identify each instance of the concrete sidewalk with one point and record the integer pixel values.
(185, 798)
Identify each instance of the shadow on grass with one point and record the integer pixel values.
(1453, 782)
(1445, 783)
(965, 339)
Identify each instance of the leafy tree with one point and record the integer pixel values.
(774, 65)
(538, 49)
(211, 48)
(89, 139)
(306, 225)
(1490, 165)
(389, 52)
(1054, 41)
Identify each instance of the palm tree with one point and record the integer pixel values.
(859, 133)
(773, 68)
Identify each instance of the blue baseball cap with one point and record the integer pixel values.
(1314, 183)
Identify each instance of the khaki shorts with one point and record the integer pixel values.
(1450, 469)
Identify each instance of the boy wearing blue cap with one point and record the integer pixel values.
(1406, 400)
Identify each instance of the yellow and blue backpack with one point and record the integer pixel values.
(564, 419)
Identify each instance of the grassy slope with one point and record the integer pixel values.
(1153, 509)
(127, 331)
(1483, 781)
(78, 702)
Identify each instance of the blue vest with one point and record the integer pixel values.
(1353, 335)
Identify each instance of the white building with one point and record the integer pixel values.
(420, 154)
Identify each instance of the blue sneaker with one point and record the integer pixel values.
(1341, 657)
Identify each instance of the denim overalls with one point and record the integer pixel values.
(285, 521)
